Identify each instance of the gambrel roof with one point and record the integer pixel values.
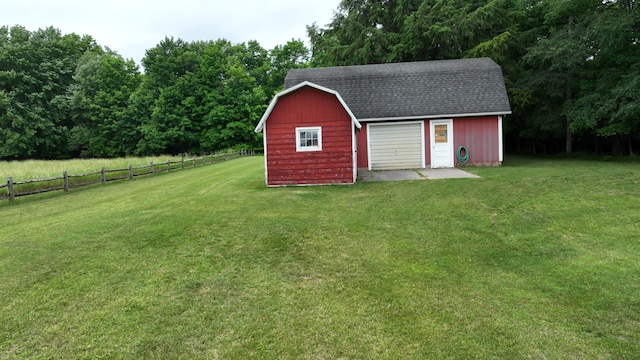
(273, 103)
(412, 90)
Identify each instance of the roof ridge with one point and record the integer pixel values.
(487, 60)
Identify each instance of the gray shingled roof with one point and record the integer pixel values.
(414, 89)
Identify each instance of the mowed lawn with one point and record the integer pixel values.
(538, 259)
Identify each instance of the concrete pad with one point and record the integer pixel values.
(418, 174)
(395, 175)
(364, 174)
(447, 173)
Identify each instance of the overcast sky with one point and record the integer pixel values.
(132, 26)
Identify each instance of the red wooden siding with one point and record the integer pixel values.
(427, 143)
(309, 107)
(363, 147)
(480, 136)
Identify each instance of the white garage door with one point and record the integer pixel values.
(396, 146)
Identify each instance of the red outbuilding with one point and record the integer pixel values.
(328, 122)
(309, 138)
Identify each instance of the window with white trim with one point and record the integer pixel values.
(309, 138)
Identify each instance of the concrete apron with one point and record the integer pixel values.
(417, 174)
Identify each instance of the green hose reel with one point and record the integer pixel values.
(462, 159)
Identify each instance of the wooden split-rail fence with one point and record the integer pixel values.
(12, 189)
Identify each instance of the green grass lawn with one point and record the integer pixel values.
(538, 259)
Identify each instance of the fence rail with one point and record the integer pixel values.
(12, 189)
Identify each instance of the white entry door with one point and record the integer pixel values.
(441, 143)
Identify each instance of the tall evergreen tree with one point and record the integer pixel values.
(609, 102)
(379, 31)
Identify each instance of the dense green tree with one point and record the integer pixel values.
(582, 72)
(559, 58)
(36, 71)
(63, 95)
(293, 55)
(609, 102)
(238, 106)
(572, 69)
(379, 31)
(100, 97)
(205, 96)
(170, 123)
(571, 66)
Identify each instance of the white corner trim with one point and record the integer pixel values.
(266, 169)
(500, 140)
(424, 145)
(354, 154)
(368, 146)
(272, 105)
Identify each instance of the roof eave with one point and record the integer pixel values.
(435, 116)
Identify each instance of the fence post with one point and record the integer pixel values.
(103, 176)
(194, 161)
(10, 192)
(168, 165)
(151, 165)
(182, 161)
(65, 181)
(130, 171)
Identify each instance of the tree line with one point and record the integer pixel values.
(572, 69)
(65, 96)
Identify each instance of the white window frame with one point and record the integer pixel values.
(309, 148)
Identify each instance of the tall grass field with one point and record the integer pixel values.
(537, 259)
(44, 169)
